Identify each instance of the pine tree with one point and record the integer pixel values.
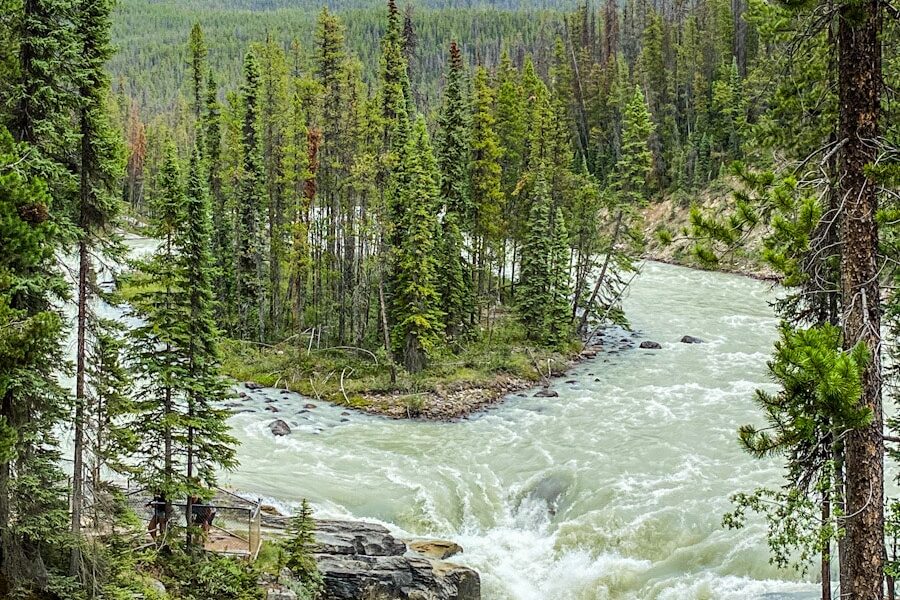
(453, 141)
(250, 276)
(111, 404)
(174, 351)
(630, 189)
(33, 501)
(295, 177)
(417, 314)
(95, 214)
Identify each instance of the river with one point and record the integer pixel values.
(616, 489)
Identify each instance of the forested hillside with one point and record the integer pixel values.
(381, 207)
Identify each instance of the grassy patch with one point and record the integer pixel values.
(348, 376)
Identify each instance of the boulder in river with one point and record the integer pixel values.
(438, 549)
(546, 393)
(309, 406)
(279, 428)
(689, 339)
(252, 385)
(273, 409)
(648, 345)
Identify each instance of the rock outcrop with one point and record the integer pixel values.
(361, 560)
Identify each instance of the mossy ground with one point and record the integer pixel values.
(497, 361)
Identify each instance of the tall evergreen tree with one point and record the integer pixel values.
(636, 162)
(250, 275)
(453, 141)
(630, 191)
(558, 318)
(33, 506)
(95, 214)
(153, 354)
(198, 52)
(208, 445)
(42, 96)
(417, 304)
(533, 291)
(484, 172)
(455, 286)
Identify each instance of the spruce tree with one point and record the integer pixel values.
(484, 172)
(417, 314)
(223, 234)
(636, 161)
(453, 141)
(299, 545)
(559, 314)
(394, 75)
(153, 355)
(41, 98)
(198, 52)
(250, 275)
(533, 292)
(95, 214)
(208, 445)
(455, 286)
(34, 516)
(113, 441)
(183, 434)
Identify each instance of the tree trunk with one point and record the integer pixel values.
(385, 331)
(826, 551)
(78, 443)
(587, 309)
(859, 78)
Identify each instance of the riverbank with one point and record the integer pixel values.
(452, 387)
(673, 215)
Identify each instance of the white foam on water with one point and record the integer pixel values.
(615, 490)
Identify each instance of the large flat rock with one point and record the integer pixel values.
(363, 561)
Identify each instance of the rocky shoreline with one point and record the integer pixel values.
(363, 561)
(453, 402)
(460, 400)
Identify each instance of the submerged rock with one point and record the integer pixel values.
(279, 428)
(309, 406)
(546, 393)
(689, 339)
(651, 345)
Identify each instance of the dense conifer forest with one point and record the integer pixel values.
(374, 198)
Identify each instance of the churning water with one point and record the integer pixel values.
(616, 489)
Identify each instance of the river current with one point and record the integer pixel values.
(616, 489)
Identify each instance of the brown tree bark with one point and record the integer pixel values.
(859, 69)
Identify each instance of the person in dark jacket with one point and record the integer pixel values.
(160, 517)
